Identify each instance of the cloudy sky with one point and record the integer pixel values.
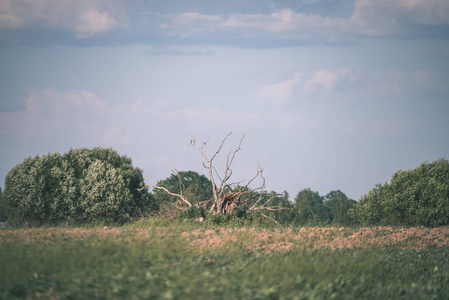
(330, 94)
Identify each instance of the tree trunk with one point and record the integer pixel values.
(226, 205)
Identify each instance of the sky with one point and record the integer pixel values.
(331, 95)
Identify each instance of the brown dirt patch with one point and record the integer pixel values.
(251, 239)
(266, 240)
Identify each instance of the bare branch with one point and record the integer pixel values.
(272, 197)
(216, 173)
(209, 164)
(257, 202)
(181, 185)
(221, 146)
(264, 206)
(264, 215)
(250, 198)
(269, 208)
(201, 202)
(235, 183)
(259, 173)
(168, 192)
(228, 171)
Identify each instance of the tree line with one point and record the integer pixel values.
(100, 186)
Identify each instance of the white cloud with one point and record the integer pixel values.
(84, 116)
(349, 84)
(279, 93)
(324, 80)
(285, 22)
(151, 132)
(48, 111)
(82, 17)
(86, 18)
(304, 83)
(370, 18)
(94, 22)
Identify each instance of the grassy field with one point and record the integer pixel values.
(186, 261)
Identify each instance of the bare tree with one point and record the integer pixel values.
(225, 199)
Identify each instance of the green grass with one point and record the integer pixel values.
(165, 266)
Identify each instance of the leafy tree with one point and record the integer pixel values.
(82, 185)
(309, 208)
(417, 197)
(30, 188)
(340, 207)
(195, 187)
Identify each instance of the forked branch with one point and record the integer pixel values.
(208, 164)
(181, 197)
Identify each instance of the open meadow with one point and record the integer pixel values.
(187, 261)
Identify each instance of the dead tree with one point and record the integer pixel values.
(225, 200)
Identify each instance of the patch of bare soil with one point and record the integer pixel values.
(252, 239)
(266, 240)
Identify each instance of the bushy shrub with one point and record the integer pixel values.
(192, 213)
(83, 185)
(418, 197)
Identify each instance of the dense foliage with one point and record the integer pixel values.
(418, 197)
(310, 208)
(83, 185)
(195, 187)
(100, 186)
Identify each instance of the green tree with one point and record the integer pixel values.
(80, 160)
(82, 185)
(195, 187)
(30, 188)
(309, 208)
(340, 207)
(417, 197)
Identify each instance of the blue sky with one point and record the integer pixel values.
(330, 94)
